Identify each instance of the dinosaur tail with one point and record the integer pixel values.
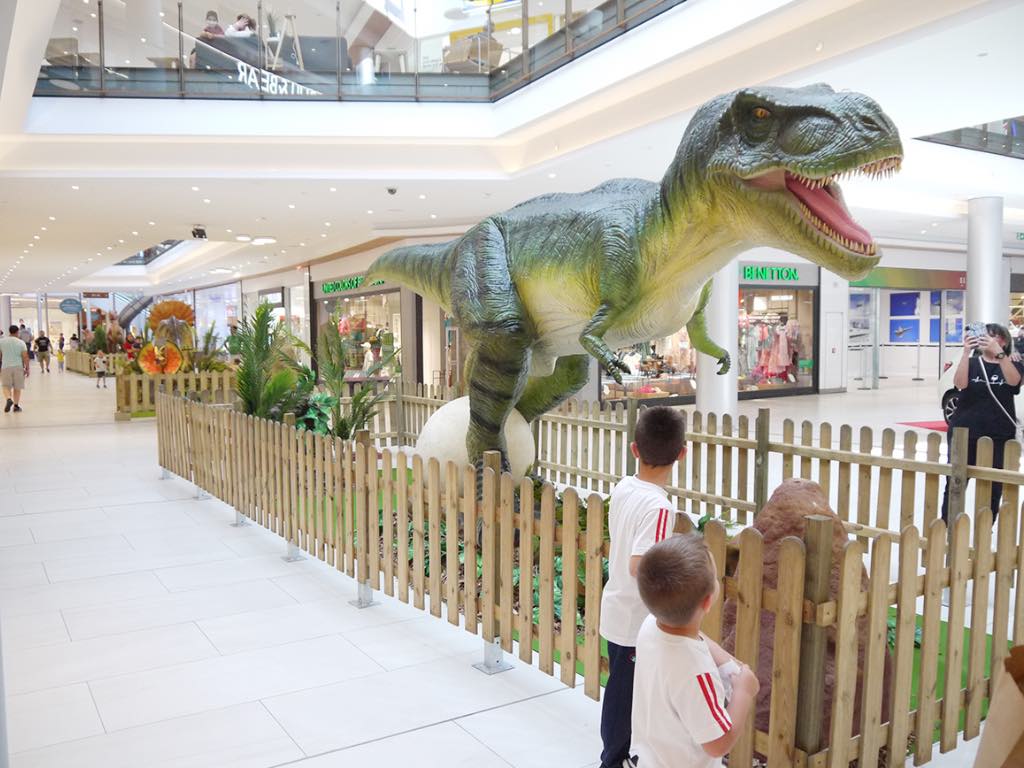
(425, 269)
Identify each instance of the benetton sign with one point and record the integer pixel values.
(347, 284)
(766, 274)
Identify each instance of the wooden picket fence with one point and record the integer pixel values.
(136, 392)
(408, 527)
(82, 362)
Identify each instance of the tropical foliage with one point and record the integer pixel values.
(209, 355)
(269, 382)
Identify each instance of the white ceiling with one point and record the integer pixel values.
(920, 60)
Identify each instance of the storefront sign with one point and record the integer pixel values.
(914, 279)
(71, 306)
(777, 274)
(346, 284)
(1020, 235)
(96, 295)
(271, 84)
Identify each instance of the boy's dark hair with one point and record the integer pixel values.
(14, 329)
(1002, 332)
(674, 576)
(660, 435)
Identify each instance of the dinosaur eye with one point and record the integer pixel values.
(760, 113)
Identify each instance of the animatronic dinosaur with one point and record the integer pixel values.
(539, 287)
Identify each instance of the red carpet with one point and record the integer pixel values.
(937, 426)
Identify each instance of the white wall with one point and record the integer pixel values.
(433, 342)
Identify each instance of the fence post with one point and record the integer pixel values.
(292, 552)
(366, 461)
(814, 639)
(762, 432)
(632, 410)
(494, 657)
(958, 479)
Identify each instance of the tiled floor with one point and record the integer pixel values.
(141, 629)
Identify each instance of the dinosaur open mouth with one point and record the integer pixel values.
(821, 205)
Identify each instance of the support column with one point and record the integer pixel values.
(39, 313)
(988, 279)
(6, 314)
(717, 394)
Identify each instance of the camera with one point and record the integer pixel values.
(199, 232)
(392, 190)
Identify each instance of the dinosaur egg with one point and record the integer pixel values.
(443, 437)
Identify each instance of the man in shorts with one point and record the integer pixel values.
(13, 369)
(43, 349)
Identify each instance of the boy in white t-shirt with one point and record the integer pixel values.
(683, 715)
(640, 515)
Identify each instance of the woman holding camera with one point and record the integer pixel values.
(987, 384)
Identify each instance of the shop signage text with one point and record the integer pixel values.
(347, 284)
(96, 295)
(1020, 235)
(269, 83)
(770, 274)
(71, 306)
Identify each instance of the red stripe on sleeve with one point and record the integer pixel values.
(707, 687)
(714, 696)
(662, 529)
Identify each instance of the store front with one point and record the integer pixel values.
(218, 307)
(904, 323)
(777, 311)
(370, 317)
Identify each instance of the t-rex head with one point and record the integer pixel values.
(764, 162)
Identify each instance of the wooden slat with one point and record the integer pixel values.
(309, 498)
(748, 625)
(726, 490)
(825, 465)
(469, 523)
(843, 482)
(361, 527)
(983, 488)
(933, 583)
(908, 488)
(488, 551)
(743, 475)
(547, 579)
(959, 570)
(592, 606)
(806, 439)
(846, 655)
(418, 524)
(348, 508)
(715, 540)
(977, 684)
(906, 631)
(711, 464)
(451, 531)
(788, 431)
(402, 524)
(506, 544)
(526, 567)
(695, 457)
(434, 534)
(372, 517)
(786, 655)
(931, 483)
(570, 588)
(864, 479)
(875, 653)
(885, 481)
(1006, 551)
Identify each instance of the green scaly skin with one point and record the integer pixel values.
(538, 288)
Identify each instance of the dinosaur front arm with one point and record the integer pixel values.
(593, 342)
(697, 330)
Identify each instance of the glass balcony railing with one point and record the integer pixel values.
(390, 50)
(1001, 137)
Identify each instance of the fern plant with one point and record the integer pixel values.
(267, 377)
(209, 355)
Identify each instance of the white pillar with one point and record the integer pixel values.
(717, 394)
(988, 279)
(6, 314)
(39, 313)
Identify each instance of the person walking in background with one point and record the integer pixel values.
(60, 360)
(43, 348)
(73, 343)
(13, 368)
(99, 364)
(640, 516)
(25, 334)
(60, 343)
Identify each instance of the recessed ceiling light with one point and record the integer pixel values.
(552, 175)
(264, 240)
(127, 61)
(195, 189)
(25, 251)
(152, 223)
(52, 218)
(142, 39)
(302, 245)
(206, 200)
(935, 223)
(134, 233)
(110, 248)
(93, 14)
(291, 205)
(43, 229)
(327, 223)
(121, 241)
(423, 197)
(334, 189)
(74, 187)
(228, 231)
(323, 234)
(370, 211)
(243, 238)
(74, 29)
(924, 231)
(433, 215)
(35, 237)
(818, 48)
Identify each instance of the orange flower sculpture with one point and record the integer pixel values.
(166, 358)
(179, 310)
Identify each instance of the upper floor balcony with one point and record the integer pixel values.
(388, 50)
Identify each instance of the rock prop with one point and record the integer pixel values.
(783, 516)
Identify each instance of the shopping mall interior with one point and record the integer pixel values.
(230, 380)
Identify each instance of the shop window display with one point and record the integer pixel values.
(776, 351)
(371, 328)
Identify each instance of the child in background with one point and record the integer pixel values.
(683, 714)
(60, 359)
(99, 364)
(640, 515)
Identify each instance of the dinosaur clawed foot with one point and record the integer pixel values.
(724, 364)
(615, 367)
